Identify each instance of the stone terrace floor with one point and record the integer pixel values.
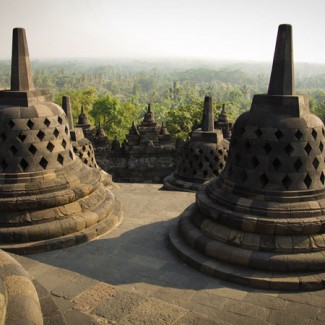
(131, 276)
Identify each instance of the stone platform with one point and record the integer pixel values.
(132, 276)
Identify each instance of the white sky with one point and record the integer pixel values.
(213, 29)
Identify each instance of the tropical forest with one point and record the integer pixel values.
(115, 93)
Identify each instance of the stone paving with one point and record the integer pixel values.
(131, 276)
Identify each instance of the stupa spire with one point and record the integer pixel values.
(208, 116)
(21, 72)
(66, 105)
(282, 75)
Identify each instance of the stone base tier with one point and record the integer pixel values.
(71, 231)
(20, 303)
(258, 269)
(174, 183)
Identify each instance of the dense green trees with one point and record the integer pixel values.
(115, 93)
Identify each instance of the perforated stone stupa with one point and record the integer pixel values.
(261, 222)
(202, 157)
(49, 199)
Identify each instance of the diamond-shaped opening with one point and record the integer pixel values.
(308, 148)
(220, 152)
(221, 165)
(307, 181)
(23, 164)
(13, 150)
(298, 135)
(205, 173)
(315, 163)
(84, 149)
(321, 146)
(200, 165)
(314, 133)
(267, 148)
(225, 157)
(60, 159)
(255, 162)
(11, 124)
(66, 130)
(289, 149)
(43, 162)
(56, 132)
(258, 132)
(60, 120)
(40, 135)
(70, 154)
(47, 122)
(21, 137)
(86, 162)
(243, 176)
(88, 154)
(64, 143)
(50, 146)
(286, 181)
(30, 124)
(276, 163)
(3, 164)
(3, 136)
(264, 179)
(322, 178)
(32, 149)
(248, 145)
(298, 164)
(278, 134)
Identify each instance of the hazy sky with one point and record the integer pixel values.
(214, 29)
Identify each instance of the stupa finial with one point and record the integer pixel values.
(21, 72)
(66, 105)
(208, 116)
(282, 75)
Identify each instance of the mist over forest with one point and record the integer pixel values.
(116, 92)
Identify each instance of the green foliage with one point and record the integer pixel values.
(180, 120)
(78, 98)
(115, 117)
(115, 93)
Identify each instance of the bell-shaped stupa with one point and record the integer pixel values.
(49, 199)
(262, 221)
(202, 157)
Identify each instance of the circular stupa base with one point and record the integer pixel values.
(202, 252)
(19, 299)
(173, 183)
(89, 228)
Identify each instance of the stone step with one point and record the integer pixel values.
(243, 275)
(85, 235)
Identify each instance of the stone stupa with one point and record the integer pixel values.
(202, 157)
(261, 223)
(49, 199)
